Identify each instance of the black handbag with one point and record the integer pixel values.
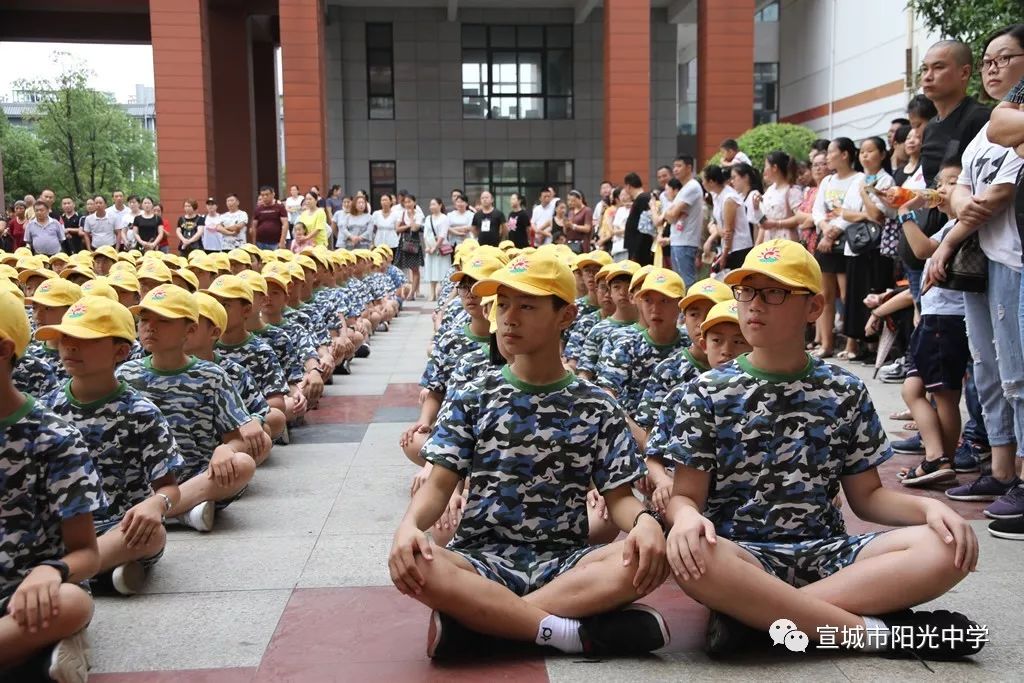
(968, 269)
(863, 237)
(838, 246)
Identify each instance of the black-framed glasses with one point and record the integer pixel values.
(773, 296)
(1000, 62)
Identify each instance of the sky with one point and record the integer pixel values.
(116, 68)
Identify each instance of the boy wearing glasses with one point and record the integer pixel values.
(762, 445)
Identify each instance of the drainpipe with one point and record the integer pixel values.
(832, 69)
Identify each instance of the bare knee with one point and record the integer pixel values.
(928, 548)
(75, 611)
(245, 466)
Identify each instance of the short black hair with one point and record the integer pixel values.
(922, 107)
(820, 145)
(632, 179)
(952, 161)
(675, 184)
(901, 120)
(229, 195)
(665, 168)
(267, 187)
(686, 159)
(729, 143)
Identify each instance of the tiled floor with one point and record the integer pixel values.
(292, 585)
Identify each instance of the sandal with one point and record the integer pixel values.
(936, 471)
(910, 426)
(843, 355)
(821, 353)
(901, 415)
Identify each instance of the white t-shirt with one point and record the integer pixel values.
(234, 218)
(828, 203)
(915, 181)
(293, 205)
(985, 164)
(740, 158)
(385, 227)
(212, 239)
(686, 230)
(779, 204)
(119, 216)
(459, 220)
(541, 215)
(853, 201)
(741, 238)
(619, 222)
(939, 301)
(102, 231)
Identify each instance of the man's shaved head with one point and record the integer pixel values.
(959, 52)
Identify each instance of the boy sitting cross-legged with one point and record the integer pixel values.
(762, 446)
(532, 437)
(128, 437)
(47, 541)
(202, 408)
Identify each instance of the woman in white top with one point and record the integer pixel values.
(747, 182)
(623, 203)
(293, 205)
(730, 224)
(460, 221)
(384, 221)
(781, 200)
(409, 255)
(435, 235)
(868, 272)
(844, 163)
(356, 228)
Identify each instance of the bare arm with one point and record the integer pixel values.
(1006, 127)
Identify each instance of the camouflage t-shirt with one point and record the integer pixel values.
(287, 355)
(470, 366)
(626, 365)
(199, 402)
(776, 446)
(34, 375)
(137, 352)
(453, 317)
(398, 279)
(305, 347)
(317, 329)
(256, 356)
(590, 350)
(445, 354)
(252, 398)
(676, 370)
(530, 454)
(584, 306)
(130, 442)
(46, 477)
(579, 331)
(49, 356)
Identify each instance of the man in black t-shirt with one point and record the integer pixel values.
(71, 221)
(488, 223)
(945, 73)
(637, 243)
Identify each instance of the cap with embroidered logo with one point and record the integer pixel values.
(638, 277)
(722, 312)
(257, 282)
(477, 266)
(708, 289)
(156, 270)
(92, 317)
(664, 281)
(240, 256)
(618, 269)
(14, 322)
(169, 301)
(538, 274)
(99, 287)
(784, 261)
(56, 292)
(124, 280)
(212, 310)
(107, 251)
(179, 275)
(230, 287)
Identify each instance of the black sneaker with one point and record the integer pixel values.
(634, 630)
(919, 635)
(726, 636)
(1012, 529)
(343, 368)
(363, 351)
(447, 639)
(909, 446)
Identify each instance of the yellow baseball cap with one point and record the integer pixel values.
(477, 266)
(127, 258)
(377, 259)
(123, 267)
(59, 256)
(21, 252)
(14, 322)
(221, 260)
(240, 256)
(79, 269)
(153, 269)
(296, 271)
(784, 261)
(594, 258)
(284, 254)
(212, 310)
(310, 264)
(708, 289)
(539, 274)
(187, 276)
(252, 249)
(9, 272)
(230, 287)
(204, 262)
(664, 281)
(9, 286)
(722, 312)
(506, 244)
(196, 253)
(6, 257)
(169, 301)
(134, 253)
(124, 279)
(92, 317)
(107, 251)
(34, 270)
(99, 287)
(277, 277)
(639, 276)
(56, 292)
(613, 270)
(257, 282)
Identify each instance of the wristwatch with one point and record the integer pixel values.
(907, 217)
(167, 503)
(59, 565)
(653, 513)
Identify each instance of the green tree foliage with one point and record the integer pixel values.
(91, 144)
(760, 141)
(26, 167)
(970, 21)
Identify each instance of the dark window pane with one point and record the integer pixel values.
(560, 172)
(474, 35)
(473, 192)
(559, 36)
(382, 107)
(380, 81)
(503, 36)
(532, 172)
(559, 72)
(382, 172)
(378, 35)
(559, 108)
(531, 36)
(477, 172)
(506, 172)
(531, 107)
(474, 107)
(379, 57)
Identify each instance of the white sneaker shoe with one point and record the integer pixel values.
(200, 517)
(69, 661)
(128, 578)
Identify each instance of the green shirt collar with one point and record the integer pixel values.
(506, 372)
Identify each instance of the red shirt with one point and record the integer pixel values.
(17, 231)
(268, 222)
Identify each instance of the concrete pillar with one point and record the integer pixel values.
(305, 92)
(181, 73)
(725, 72)
(627, 88)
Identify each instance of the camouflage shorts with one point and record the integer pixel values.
(520, 568)
(805, 562)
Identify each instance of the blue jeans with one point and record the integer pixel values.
(914, 280)
(974, 429)
(998, 364)
(270, 246)
(684, 262)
